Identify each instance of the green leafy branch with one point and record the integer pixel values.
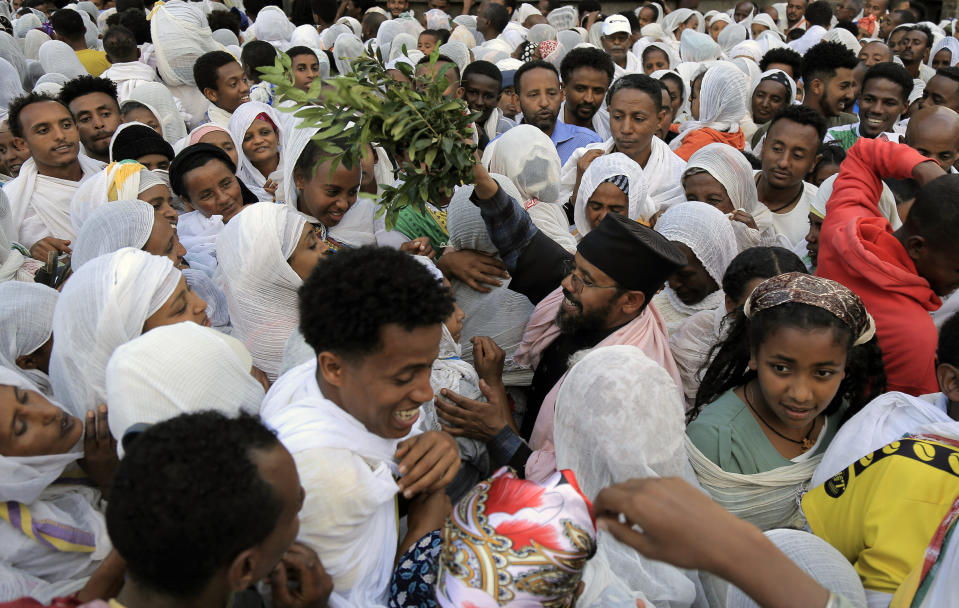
(427, 133)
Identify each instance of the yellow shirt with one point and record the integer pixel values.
(881, 512)
(95, 62)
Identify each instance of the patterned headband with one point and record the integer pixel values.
(814, 291)
(620, 181)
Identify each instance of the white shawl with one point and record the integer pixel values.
(180, 35)
(240, 121)
(305, 420)
(26, 323)
(128, 76)
(722, 101)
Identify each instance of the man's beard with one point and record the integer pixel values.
(585, 111)
(583, 322)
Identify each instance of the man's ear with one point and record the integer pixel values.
(239, 573)
(632, 302)
(460, 92)
(816, 87)
(331, 366)
(211, 95)
(948, 377)
(915, 246)
(21, 143)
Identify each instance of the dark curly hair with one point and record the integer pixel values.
(352, 295)
(17, 105)
(947, 350)
(823, 59)
(865, 376)
(586, 58)
(188, 497)
(86, 84)
(800, 115)
(758, 263)
(785, 56)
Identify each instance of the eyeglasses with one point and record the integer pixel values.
(580, 283)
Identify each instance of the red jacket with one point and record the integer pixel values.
(858, 249)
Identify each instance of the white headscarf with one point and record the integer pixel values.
(694, 46)
(353, 23)
(116, 182)
(32, 43)
(226, 37)
(306, 35)
(112, 227)
(606, 387)
(258, 281)
(748, 49)
(63, 512)
(529, 159)
(764, 19)
(57, 56)
(240, 121)
(731, 35)
(674, 19)
(949, 43)
(180, 35)
(178, 369)
(26, 323)
(273, 26)
(820, 560)
(24, 24)
(722, 101)
(10, 86)
(708, 233)
(602, 169)
(356, 228)
(458, 52)
(347, 48)
(671, 54)
(10, 50)
(160, 101)
(730, 168)
(563, 18)
(845, 38)
(103, 305)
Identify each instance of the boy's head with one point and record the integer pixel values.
(221, 80)
(68, 26)
(947, 359)
(120, 45)
(376, 340)
(305, 66)
(929, 233)
(134, 20)
(427, 41)
(93, 103)
(257, 54)
(221, 496)
(480, 87)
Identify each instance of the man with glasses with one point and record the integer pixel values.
(598, 297)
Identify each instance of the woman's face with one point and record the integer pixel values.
(214, 190)
(647, 15)
(308, 253)
(691, 282)
(306, 69)
(942, 59)
(675, 95)
(160, 199)
(799, 372)
(715, 28)
(454, 323)
(655, 60)
(327, 197)
(183, 305)
(705, 188)
(607, 198)
(222, 140)
(694, 98)
(260, 143)
(164, 242)
(32, 426)
(757, 29)
(145, 116)
(768, 98)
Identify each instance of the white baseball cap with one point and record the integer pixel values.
(615, 24)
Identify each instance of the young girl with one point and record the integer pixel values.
(254, 127)
(799, 356)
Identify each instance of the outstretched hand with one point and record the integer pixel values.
(427, 462)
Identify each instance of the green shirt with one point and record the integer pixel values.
(728, 434)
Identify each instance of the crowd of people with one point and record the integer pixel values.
(684, 338)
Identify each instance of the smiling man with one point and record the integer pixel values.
(885, 96)
(93, 103)
(829, 84)
(40, 195)
(373, 317)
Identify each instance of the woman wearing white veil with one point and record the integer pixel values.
(26, 330)
(607, 386)
(626, 176)
(718, 106)
(158, 99)
(243, 122)
(57, 56)
(347, 48)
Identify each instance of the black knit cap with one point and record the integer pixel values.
(136, 141)
(636, 257)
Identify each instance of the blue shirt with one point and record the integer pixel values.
(567, 138)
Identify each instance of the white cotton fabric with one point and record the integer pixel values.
(10, 86)
(709, 234)
(694, 46)
(437, 19)
(94, 192)
(541, 32)
(347, 48)
(26, 323)
(642, 44)
(31, 568)
(749, 49)
(674, 19)
(57, 56)
(691, 343)
(217, 310)
(817, 558)
(722, 102)
(730, 168)
(502, 313)
(845, 38)
(10, 50)
(161, 102)
(563, 18)
(240, 121)
(458, 52)
(351, 22)
(606, 166)
(731, 36)
(606, 387)
(400, 41)
(120, 224)
(45, 201)
(24, 24)
(128, 75)
(179, 369)
(228, 38)
(886, 203)
(180, 35)
(764, 19)
(11, 260)
(356, 228)
(885, 419)
(257, 280)
(529, 159)
(951, 44)
(663, 172)
(32, 43)
(328, 443)
(273, 26)
(103, 305)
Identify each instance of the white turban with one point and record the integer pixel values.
(603, 169)
(103, 305)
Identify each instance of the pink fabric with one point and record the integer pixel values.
(646, 332)
(199, 132)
